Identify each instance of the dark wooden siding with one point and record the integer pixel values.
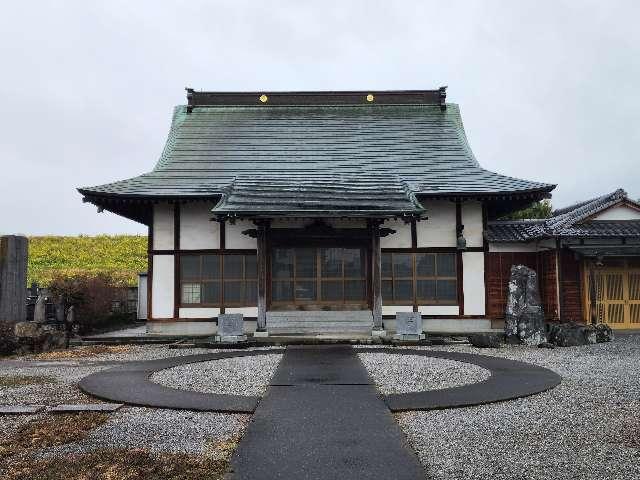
(571, 288)
(499, 270)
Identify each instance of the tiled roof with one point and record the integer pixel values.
(515, 231)
(318, 196)
(420, 148)
(571, 221)
(570, 215)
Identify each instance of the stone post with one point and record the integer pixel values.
(13, 282)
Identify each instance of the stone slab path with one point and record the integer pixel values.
(322, 418)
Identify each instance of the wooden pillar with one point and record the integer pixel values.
(262, 259)
(559, 279)
(376, 268)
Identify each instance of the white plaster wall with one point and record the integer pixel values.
(197, 230)
(439, 230)
(163, 235)
(473, 283)
(513, 247)
(181, 328)
(392, 309)
(234, 238)
(246, 311)
(400, 239)
(162, 287)
(472, 221)
(198, 312)
(439, 310)
(621, 212)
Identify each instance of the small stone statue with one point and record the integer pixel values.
(40, 310)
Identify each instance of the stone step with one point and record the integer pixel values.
(313, 316)
(315, 330)
(343, 325)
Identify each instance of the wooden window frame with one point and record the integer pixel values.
(414, 278)
(222, 303)
(318, 280)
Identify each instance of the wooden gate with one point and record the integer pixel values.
(612, 293)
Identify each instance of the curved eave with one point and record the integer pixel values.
(135, 207)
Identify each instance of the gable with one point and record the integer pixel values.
(618, 212)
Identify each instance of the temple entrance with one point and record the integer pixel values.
(613, 293)
(319, 278)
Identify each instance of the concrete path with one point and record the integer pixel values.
(323, 419)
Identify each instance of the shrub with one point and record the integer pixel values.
(92, 296)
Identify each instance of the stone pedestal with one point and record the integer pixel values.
(409, 326)
(231, 328)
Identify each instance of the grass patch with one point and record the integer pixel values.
(82, 352)
(118, 464)
(221, 450)
(50, 431)
(9, 381)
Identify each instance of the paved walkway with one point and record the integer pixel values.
(322, 419)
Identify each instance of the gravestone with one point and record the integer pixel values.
(13, 280)
(231, 328)
(408, 326)
(40, 310)
(524, 319)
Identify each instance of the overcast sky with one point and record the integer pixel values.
(548, 90)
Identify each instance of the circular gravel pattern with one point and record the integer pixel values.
(588, 427)
(131, 384)
(233, 376)
(414, 373)
(508, 380)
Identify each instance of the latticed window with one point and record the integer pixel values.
(323, 276)
(422, 278)
(218, 280)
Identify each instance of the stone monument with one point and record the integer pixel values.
(231, 328)
(13, 286)
(409, 326)
(524, 319)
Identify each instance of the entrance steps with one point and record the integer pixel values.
(359, 322)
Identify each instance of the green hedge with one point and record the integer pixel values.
(121, 256)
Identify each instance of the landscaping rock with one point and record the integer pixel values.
(572, 334)
(603, 333)
(524, 322)
(35, 337)
(546, 345)
(486, 340)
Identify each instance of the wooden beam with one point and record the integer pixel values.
(150, 269)
(262, 237)
(176, 261)
(559, 278)
(459, 261)
(376, 269)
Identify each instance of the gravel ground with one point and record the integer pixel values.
(412, 373)
(236, 376)
(159, 430)
(62, 389)
(586, 428)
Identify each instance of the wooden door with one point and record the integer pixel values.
(615, 289)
